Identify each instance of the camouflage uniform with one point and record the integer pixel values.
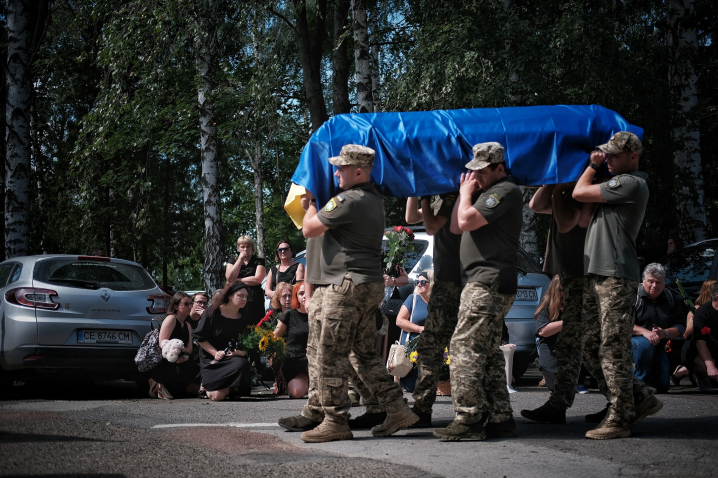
(438, 329)
(478, 376)
(569, 350)
(608, 316)
(346, 343)
(313, 408)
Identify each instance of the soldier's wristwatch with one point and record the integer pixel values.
(594, 166)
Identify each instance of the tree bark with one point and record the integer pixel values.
(341, 64)
(311, 46)
(374, 50)
(689, 192)
(528, 238)
(213, 277)
(361, 57)
(17, 131)
(256, 162)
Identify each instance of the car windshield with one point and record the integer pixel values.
(412, 258)
(84, 274)
(691, 265)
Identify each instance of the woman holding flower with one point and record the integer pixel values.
(223, 369)
(411, 319)
(294, 323)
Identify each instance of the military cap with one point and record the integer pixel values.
(354, 155)
(622, 141)
(486, 154)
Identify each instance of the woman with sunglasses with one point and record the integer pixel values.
(287, 269)
(411, 319)
(168, 378)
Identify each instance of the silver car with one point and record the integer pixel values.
(532, 285)
(74, 314)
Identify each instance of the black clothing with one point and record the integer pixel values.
(176, 377)
(564, 251)
(705, 328)
(254, 310)
(546, 345)
(297, 335)
(289, 276)
(447, 266)
(218, 330)
(668, 310)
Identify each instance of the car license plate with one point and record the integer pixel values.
(104, 337)
(527, 295)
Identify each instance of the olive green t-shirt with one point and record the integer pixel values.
(352, 244)
(610, 248)
(313, 269)
(564, 251)
(490, 252)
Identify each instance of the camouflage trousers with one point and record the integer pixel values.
(478, 377)
(346, 344)
(438, 329)
(609, 314)
(568, 349)
(313, 409)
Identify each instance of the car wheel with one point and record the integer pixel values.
(521, 364)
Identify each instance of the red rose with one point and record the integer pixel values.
(398, 228)
(265, 318)
(668, 346)
(706, 330)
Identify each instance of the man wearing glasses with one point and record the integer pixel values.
(445, 296)
(200, 301)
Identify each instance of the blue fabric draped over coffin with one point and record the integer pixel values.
(423, 153)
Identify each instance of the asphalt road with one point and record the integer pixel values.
(109, 429)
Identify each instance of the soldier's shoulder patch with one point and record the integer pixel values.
(449, 199)
(334, 202)
(613, 183)
(492, 200)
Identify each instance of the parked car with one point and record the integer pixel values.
(74, 315)
(532, 284)
(692, 265)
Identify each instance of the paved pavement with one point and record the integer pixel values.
(110, 430)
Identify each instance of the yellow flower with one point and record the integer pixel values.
(263, 343)
(447, 361)
(413, 356)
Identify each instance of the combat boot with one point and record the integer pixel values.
(646, 408)
(505, 429)
(327, 431)
(367, 420)
(598, 416)
(457, 431)
(297, 424)
(608, 429)
(395, 422)
(424, 418)
(546, 413)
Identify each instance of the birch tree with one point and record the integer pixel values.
(340, 59)
(688, 192)
(26, 24)
(361, 57)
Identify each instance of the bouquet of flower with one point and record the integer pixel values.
(399, 242)
(414, 356)
(260, 338)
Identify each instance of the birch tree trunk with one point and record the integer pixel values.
(17, 131)
(528, 239)
(256, 162)
(361, 57)
(205, 42)
(374, 50)
(340, 60)
(688, 192)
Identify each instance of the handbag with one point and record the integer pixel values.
(149, 355)
(398, 362)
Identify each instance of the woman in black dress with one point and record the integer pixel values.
(168, 378)
(294, 323)
(251, 270)
(287, 270)
(224, 370)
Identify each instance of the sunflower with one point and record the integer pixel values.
(413, 356)
(263, 343)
